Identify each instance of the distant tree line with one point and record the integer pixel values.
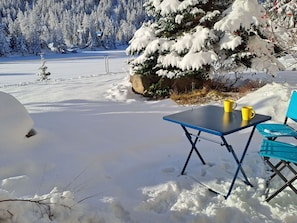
(29, 26)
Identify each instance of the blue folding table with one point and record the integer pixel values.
(213, 120)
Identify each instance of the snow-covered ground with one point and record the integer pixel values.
(104, 154)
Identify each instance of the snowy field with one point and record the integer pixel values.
(103, 154)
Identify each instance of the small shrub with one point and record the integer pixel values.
(157, 91)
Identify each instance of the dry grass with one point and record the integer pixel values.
(206, 94)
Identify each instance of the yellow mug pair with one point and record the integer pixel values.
(247, 112)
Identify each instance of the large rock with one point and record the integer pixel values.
(141, 83)
(183, 84)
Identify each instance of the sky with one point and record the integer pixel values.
(104, 154)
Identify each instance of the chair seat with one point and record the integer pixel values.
(272, 130)
(279, 150)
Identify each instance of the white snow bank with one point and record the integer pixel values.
(15, 120)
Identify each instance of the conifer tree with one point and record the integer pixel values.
(17, 40)
(4, 44)
(43, 73)
(202, 38)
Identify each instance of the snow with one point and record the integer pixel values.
(244, 14)
(230, 41)
(141, 38)
(196, 60)
(168, 6)
(104, 154)
(14, 118)
(200, 39)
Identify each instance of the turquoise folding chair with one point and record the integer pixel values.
(274, 130)
(282, 159)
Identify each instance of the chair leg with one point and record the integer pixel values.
(288, 183)
(277, 172)
(279, 166)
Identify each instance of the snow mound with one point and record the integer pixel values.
(53, 207)
(14, 118)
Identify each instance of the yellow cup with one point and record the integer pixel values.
(229, 105)
(247, 112)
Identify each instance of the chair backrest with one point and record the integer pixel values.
(292, 108)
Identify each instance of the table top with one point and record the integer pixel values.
(212, 119)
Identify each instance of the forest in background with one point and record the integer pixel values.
(31, 26)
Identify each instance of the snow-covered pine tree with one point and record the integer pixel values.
(4, 44)
(200, 38)
(43, 73)
(17, 40)
(179, 40)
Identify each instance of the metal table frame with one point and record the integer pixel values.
(213, 120)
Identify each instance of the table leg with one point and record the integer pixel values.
(193, 143)
(239, 162)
